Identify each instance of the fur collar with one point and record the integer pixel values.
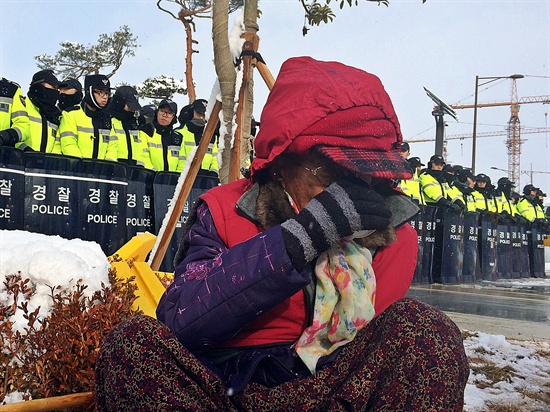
(267, 205)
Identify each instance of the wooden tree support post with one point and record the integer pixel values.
(235, 158)
(170, 221)
(265, 73)
(250, 60)
(84, 399)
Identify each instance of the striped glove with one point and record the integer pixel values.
(342, 209)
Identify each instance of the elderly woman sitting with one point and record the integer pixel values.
(289, 283)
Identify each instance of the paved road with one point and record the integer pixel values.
(519, 313)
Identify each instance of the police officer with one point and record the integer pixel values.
(14, 122)
(146, 114)
(193, 119)
(483, 193)
(70, 94)
(124, 110)
(405, 150)
(454, 194)
(528, 205)
(503, 197)
(87, 131)
(164, 145)
(411, 187)
(465, 182)
(515, 197)
(433, 184)
(43, 114)
(539, 204)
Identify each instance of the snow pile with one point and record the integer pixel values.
(525, 366)
(49, 261)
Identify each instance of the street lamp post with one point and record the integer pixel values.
(530, 173)
(525, 172)
(489, 79)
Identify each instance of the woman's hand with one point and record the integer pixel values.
(342, 209)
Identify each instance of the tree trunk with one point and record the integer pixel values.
(227, 77)
(251, 30)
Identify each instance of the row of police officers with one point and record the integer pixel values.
(456, 187)
(471, 230)
(62, 117)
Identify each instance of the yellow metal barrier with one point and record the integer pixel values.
(129, 261)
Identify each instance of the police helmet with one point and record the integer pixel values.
(437, 159)
(504, 181)
(483, 178)
(527, 189)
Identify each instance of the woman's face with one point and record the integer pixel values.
(303, 178)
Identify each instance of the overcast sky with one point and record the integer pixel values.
(441, 44)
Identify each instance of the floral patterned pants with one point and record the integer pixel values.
(409, 358)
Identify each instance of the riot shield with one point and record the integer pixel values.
(102, 203)
(428, 240)
(488, 246)
(504, 249)
(438, 244)
(517, 252)
(470, 256)
(526, 264)
(12, 188)
(536, 248)
(452, 247)
(139, 201)
(418, 225)
(205, 182)
(164, 185)
(51, 194)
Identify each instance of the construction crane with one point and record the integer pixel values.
(524, 130)
(513, 142)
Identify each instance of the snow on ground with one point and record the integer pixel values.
(51, 260)
(526, 365)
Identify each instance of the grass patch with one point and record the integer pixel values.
(540, 396)
(483, 351)
(493, 373)
(467, 334)
(501, 407)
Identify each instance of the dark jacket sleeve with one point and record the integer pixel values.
(218, 290)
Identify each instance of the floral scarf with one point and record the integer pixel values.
(344, 301)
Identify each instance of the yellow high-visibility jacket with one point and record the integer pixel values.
(504, 204)
(455, 194)
(432, 189)
(540, 212)
(13, 114)
(470, 202)
(465, 194)
(37, 140)
(131, 145)
(79, 136)
(530, 211)
(411, 187)
(210, 159)
(163, 151)
(484, 203)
